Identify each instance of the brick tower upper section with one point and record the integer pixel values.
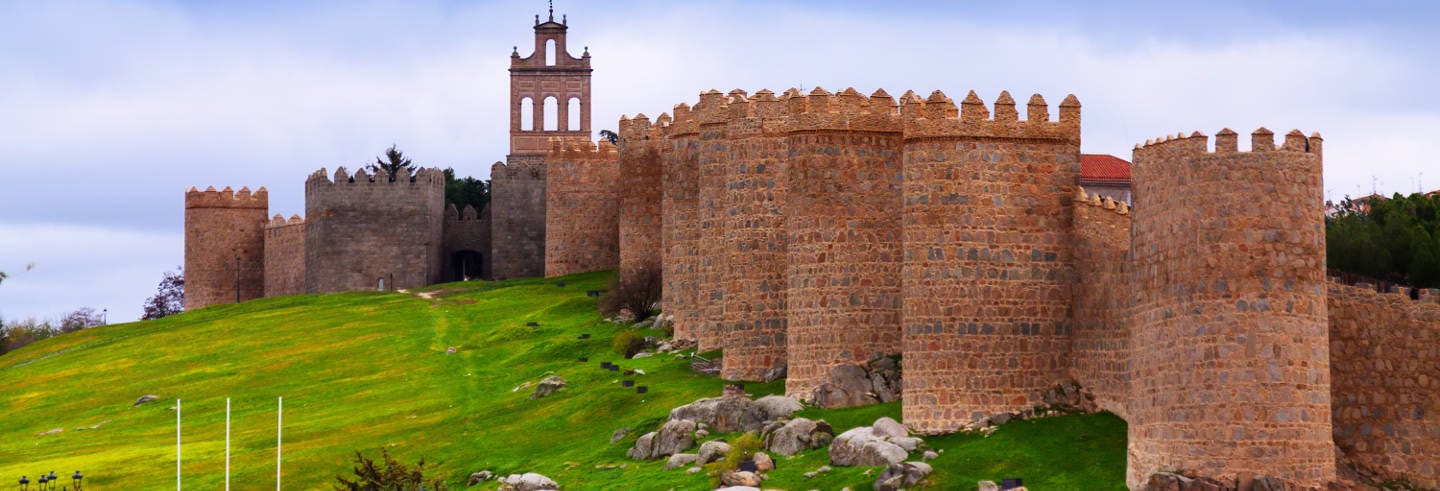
(224, 246)
(549, 77)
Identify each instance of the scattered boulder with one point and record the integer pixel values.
(763, 462)
(856, 385)
(528, 481)
(673, 437)
(823, 469)
(642, 354)
(479, 477)
(798, 435)
(988, 486)
(144, 399)
(929, 455)
(53, 431)
(549, 385)
(701, 433)
(740, 478)
(712, 451)
(872, 445)
(738, 488)
(736, 414)
(619, 435)
(679, 460)
(1166, 481)
(775, 373)
(450, 350)
(902, 475)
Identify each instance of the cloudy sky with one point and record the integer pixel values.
(112, 109)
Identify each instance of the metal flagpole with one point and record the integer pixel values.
(279, 426)
(227, 444)
(177, 444)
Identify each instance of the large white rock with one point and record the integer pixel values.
(528, 481)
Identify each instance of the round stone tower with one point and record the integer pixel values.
(1231, 366)
(842, 233)
(987, 246)
(224, 246)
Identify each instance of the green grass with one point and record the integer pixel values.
(361, 371)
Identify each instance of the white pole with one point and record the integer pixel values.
(279, 425)
(177, 444)
(227, 444)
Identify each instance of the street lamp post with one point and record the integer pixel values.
(24, 483)
(76, 480)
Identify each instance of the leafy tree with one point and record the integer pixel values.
(81, 318)
(466, 191)
(393, 163)
(1392, 239)
(610, 135)
(169, 297)
(16, 335)
(389, 475)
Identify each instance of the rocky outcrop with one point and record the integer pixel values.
(902, 475)
(856, 385)
(549, 385)
(884, 443)
(712, 451)
(674, 436)
(798, 435)
(736, 414)
(528, 481)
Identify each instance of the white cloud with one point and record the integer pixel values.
(82, 266)
(113, 109)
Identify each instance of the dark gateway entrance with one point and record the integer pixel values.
(467, 265)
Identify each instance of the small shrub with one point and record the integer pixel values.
(390, 475)
(741, 449)
(627, 343)
(636, 292)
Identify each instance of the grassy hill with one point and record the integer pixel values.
(361, 371)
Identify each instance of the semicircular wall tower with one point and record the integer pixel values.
(1231, 362)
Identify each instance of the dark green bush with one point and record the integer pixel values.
(627, 343)
(388, 475)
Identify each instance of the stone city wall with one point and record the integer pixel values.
(1100, 342)
(517, 202)
(285, 256)
(1231, 364)
(366, 232)
(224, 245)
(753, 217)
(988, 267)
(467, 231)
(843, 223)
(710, 114)
(681, 224)
(1385, 382)
(582, 230)
(641, 154)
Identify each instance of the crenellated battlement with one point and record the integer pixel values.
(279, 221)
(580, 150)
(534, 169)
(424, 176)
(938, 116)
(453, 214)
(640, 128)
(1227, 141)
(226, 198)
(1082, 198)
(847, 110)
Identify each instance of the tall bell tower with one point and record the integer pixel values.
(545, 88)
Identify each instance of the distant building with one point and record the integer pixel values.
(1106, 175)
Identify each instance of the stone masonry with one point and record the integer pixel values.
(1231, 367)
(285, 256)
(987, 267)
(582, 209)
(641, 172)
(1100, 346)
(224, 245)
(366, 232)
(1385, 377)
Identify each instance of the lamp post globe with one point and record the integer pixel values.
(24, 482)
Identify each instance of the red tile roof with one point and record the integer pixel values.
(1104, 168)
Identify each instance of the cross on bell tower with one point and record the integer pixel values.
(545, 88)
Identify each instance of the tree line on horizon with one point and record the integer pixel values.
(1394, 239)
